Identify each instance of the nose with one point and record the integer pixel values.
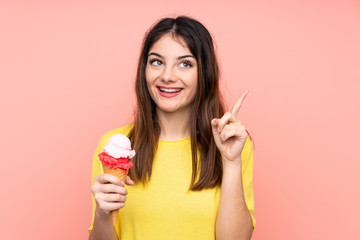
(168, 74)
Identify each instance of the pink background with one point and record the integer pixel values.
(67, 71)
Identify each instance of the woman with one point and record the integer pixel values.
(192, 174)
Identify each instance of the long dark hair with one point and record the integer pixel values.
(208, 104)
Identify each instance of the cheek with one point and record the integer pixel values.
(150, 89)
(148, 79)
(147, 75)
(194, 82)
(150, 76)
(150, 86)
(193, 88)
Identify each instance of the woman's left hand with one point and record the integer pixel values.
(229, 133)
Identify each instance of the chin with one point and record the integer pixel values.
(168, 109)
(173, 109)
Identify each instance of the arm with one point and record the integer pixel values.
(234, 220)
(110, 194)
(102, 228)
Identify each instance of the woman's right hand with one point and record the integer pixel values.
(109, 192)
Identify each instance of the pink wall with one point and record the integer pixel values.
(67, 71)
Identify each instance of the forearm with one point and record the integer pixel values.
(103, 228)
(234, 219)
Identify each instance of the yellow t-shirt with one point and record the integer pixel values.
(164, 208)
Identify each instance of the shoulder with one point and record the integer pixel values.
(247, 153)
(125, 130)
(248, 147)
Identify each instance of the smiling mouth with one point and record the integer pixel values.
(169, 90)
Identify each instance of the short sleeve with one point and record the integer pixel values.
(247, 177)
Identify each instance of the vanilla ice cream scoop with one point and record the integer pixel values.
(119, 146)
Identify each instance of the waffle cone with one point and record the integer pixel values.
(120, 174)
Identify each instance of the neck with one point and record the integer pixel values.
(174, 126)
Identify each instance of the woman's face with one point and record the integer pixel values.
(171, 74)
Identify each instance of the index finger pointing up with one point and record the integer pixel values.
(237, 105)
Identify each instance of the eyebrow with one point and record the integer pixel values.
(181, 57)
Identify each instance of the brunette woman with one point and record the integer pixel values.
(192, 174)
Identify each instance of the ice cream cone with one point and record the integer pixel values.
(115, 160)
(120, 173)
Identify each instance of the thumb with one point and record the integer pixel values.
(214, 125)
(128, 181)
(216, 134)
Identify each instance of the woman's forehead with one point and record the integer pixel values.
(170, 44)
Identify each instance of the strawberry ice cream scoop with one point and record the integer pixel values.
(117, 153)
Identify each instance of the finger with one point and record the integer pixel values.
(214, 125)
(110, 206)
(233, 130)
(112, 197)
(227, 133)
(108, 178)
(128, 181)
(226, 119)
(237, 105)
(111, 188)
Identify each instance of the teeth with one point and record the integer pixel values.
(170, 90)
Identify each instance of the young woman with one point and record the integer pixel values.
(192, 174)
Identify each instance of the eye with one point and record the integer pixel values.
(156, 62)
(186, 64)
